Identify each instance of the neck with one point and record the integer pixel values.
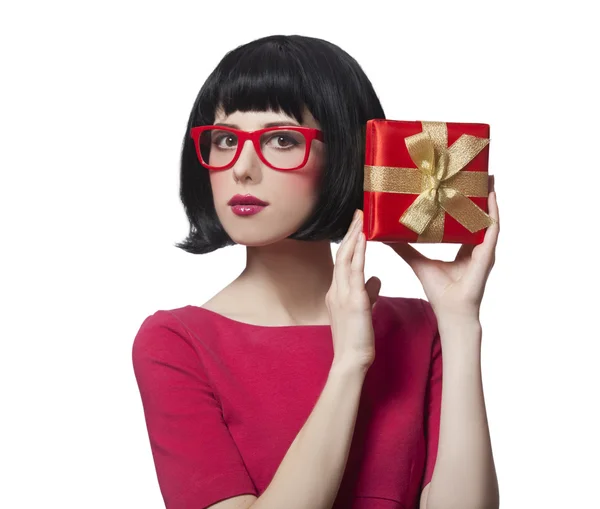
(288, 280)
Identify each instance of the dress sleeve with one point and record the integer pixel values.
(433, 400)
(197, 462)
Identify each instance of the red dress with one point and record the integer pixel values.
(223, 401)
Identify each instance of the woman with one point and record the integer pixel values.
(290, 388)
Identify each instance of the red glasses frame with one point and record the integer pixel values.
(309, 133)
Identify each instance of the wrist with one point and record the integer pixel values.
(463, 328)
(351, 367)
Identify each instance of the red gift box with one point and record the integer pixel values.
(426, 181)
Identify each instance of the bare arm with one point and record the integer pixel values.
(311, 472)
(465, 456)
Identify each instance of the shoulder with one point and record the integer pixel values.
(184, 331)
(399, 304)
(411, 311)
(163, 329)
(161, 320)
(408, 322)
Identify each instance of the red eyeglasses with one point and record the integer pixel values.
(282, 148)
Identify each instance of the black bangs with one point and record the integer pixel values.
(259, 77)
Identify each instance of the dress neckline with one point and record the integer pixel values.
(239, 323)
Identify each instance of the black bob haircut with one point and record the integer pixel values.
(286, 73)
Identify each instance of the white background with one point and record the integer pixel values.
(94, 103)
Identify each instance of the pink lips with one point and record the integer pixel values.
(246, 205)
(246, 210)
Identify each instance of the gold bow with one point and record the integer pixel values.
(440, 183)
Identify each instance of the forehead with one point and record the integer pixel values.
(255, 119)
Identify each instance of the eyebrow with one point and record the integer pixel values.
(268, 124)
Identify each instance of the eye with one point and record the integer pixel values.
(224, 140)
(284, 140)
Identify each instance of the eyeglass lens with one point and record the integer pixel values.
(282, 148)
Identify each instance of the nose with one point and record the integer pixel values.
(248, 163)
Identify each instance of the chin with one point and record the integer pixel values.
(259, 238)
(257, 230)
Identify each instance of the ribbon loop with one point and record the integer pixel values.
(438, 164)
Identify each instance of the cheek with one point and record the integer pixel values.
(305, 182)
(218, 185)
(300, 187)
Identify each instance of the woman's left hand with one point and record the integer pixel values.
(455, 289)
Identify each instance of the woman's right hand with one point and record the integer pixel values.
(350, 301)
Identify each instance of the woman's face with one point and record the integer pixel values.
(291, 195)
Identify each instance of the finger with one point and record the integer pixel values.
(357, 266)
(466, 250)
(491, 235)
(339, 250)
(493, 209)
(348, 235)
(486, 251)
(464, 253)
(492, 202)
(350, 228)
(344, 256)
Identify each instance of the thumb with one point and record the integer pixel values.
(373, 285)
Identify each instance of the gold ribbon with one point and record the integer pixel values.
(440, 183)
